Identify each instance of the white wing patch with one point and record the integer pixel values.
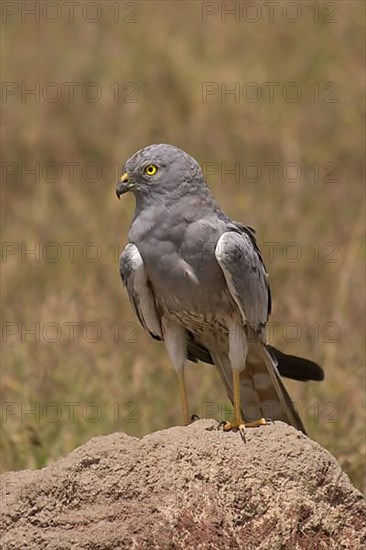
(134, 277)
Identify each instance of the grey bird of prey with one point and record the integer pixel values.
(196, 280)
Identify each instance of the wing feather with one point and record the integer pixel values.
(240, 260)
(133, 274)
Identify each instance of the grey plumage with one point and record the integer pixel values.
(196, 279)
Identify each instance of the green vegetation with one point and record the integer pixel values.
(168, 55)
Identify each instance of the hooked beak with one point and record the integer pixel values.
(123, 186)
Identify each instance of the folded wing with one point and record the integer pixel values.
(246, 277)
(262, 392)
(133, 274)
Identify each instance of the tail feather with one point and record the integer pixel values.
(296, 368)
(290, 366)
(284, 409)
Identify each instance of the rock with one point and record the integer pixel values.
(186, 487)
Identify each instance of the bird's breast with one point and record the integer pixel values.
(181, 265)
(193, 285)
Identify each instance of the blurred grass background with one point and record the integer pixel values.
(168, 53)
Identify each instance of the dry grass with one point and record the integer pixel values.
(168, 54)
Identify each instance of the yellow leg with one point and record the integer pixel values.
(236, 388)
(238, 422)
(183, 397)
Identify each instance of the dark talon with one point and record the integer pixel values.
(242, 435)
(195, 417)
(221, 424)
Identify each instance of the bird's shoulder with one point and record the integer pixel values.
(249, 233)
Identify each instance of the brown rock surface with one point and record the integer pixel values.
(186, 487)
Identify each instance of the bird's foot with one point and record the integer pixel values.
(257, 423)
(234, 425)
(241, 425)
(228, 426)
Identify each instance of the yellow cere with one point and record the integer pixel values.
(124, 177)
(151, 169)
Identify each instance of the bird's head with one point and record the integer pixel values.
(157, 168)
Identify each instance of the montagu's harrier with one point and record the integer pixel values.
(196, 280)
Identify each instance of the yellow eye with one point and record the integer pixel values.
(151, 169)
